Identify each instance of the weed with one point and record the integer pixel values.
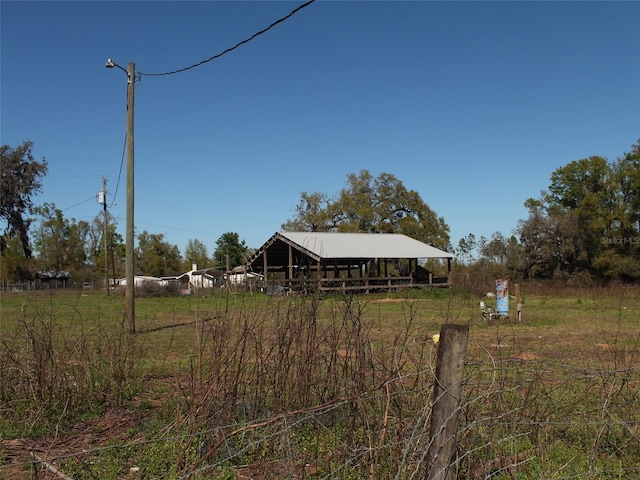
(337, 386)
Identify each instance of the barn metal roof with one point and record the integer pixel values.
(363, 245)
(327, 246)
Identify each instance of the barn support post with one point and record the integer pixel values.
(264, 268)
(413, 269)
(447, 399)
(449, 271)
(290, 268)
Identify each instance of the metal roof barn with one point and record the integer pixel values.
(362, 245)
(332, 260)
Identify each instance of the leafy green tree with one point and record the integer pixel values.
(59, 242)
(626, 178)
(578, 181)
(496, 250)
(20, 177)
(502, 256)
(196, 253)
(627, 174)
(620, 252)
(373, 205)
(230, 244)
(585, 189)
(553, 245)
(155, 256)
(353, 210)
(466, 246)
(117, 255)
(95, 239)
(15, 267)
(537, 242)
(115, 246)
(587, 222)
(515, 258)
(312, 214)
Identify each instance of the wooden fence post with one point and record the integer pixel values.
(447, 398)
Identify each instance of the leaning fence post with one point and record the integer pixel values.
(447, 398)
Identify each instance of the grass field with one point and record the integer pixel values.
(239, 386)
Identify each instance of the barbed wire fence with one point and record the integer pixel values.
(300, 400)
(488, 447)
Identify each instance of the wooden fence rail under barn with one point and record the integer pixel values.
(364, 284)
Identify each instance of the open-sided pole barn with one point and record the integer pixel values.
(307, 261)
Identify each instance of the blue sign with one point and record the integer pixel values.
(502, 297)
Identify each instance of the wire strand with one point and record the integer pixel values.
(124, 147)
(224, 52)
(78, 204)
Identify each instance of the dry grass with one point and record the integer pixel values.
(246, 385)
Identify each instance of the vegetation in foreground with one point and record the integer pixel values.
(237, 386)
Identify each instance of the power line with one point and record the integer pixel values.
(292, 13)
(124, 146)
(140, 74)
(77, 204)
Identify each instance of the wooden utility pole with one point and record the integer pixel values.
(130, 287)
(447, 398)
(104, 234)
(130, 292)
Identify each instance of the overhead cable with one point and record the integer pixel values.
(78, 204)
(124, 148)
(293, 12)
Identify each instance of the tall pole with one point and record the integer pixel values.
(104, 234)
(130, 291)
(130, 312)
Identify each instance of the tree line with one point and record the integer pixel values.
(38, 238)
(586, 224)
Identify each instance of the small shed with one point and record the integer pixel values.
(53, 279)
(303, 261)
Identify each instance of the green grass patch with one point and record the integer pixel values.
(225, 385)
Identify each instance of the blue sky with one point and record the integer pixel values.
(471, 104)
